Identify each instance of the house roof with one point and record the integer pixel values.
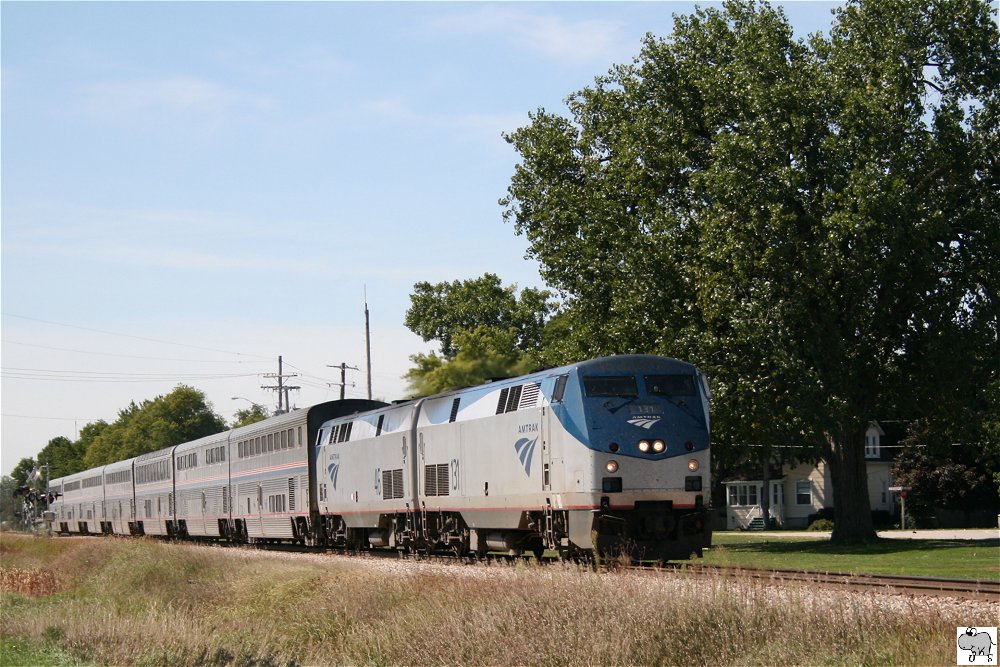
(892, 432)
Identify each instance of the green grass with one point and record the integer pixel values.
(923, 558)
(19, 651)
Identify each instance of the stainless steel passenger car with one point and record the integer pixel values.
(82, 500)
(118, 506)
(153, 476)
(201, 487)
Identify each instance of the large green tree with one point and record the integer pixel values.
(255, 413)
(64, 456)
(22, 470)
(484, 330)
(813, 222)
(8, 504)
(438, 311)
(180, 416)
(483, 353)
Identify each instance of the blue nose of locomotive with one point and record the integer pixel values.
(653, 414)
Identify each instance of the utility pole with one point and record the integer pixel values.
(343, 376)
(368, 346)
(281, 387)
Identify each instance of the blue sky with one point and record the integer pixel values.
(191, 189)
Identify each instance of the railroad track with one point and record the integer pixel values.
(967, 589)
(905, 585)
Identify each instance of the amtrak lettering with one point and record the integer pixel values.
(645, 415)
(527, 428)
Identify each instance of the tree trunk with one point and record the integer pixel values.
(852, 514)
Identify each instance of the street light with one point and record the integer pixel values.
(257, 406)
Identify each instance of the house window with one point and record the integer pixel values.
(777, 495)
(803, 493)
(871, 444)
(742, 495)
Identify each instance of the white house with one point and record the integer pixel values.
(796, 492)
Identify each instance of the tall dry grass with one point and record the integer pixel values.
(142, 602)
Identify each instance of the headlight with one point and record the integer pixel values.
(611, 466)
(658, 446)
(693, 465)
(644, 446)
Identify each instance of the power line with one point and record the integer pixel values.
(65, 419)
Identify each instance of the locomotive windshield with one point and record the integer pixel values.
(623, 387)
(670, 385)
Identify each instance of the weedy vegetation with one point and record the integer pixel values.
(143, 602)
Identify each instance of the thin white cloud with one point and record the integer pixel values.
(163, 256)
(582, 41)
(389, 108)
(175, 94)
(175, 239)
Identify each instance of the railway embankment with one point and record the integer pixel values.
(139, 602)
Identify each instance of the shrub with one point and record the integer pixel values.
(821, 524)
(823, 513)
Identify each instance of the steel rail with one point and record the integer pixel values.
(975, 589)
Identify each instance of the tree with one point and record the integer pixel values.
(485, 330)
(251, 415)
(813, 223)
(21, 471)
(63, 456)
(484, 354)
(180, 416)
(958, 477)
(439, 311)
(8, 505)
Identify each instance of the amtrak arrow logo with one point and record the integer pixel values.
(525, 448)
(644, 422)
(333, 469)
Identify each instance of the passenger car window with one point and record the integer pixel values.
(623, 387)
(670, 385)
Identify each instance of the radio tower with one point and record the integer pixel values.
(368, 346)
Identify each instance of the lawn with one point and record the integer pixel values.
(923, 558)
